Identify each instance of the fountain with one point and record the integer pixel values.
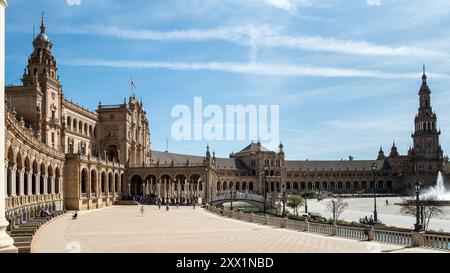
(437, 192)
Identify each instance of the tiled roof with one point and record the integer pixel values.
(165, 157)
(254, 147)
(229, 163)
(336, 165)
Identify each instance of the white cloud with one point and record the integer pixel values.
(287, 5)
(374, 2)
(263, 36)
(260, 69)
(73, 2)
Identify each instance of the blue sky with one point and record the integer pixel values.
(344, 73)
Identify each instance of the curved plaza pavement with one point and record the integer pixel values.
(182, 230)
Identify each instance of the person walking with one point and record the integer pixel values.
(194, 206)
(167, 207)
(142, 210)
(159, 205)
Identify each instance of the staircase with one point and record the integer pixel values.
(23, 233)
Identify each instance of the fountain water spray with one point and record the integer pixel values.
(438, 192)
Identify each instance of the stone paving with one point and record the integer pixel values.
(183, 230)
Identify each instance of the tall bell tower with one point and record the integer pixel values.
(427, 153)
(41, 75)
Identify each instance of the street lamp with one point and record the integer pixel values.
(206, 186)
(264, 172)
(306, 203)
(231, 195)
(334, 210)
(284, 201)
(418, 226)
(375, 214)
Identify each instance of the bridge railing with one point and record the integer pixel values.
(238, 196)
(320, 228)
(296, 225)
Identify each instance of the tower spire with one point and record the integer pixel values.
(424, 75)
(43, 22)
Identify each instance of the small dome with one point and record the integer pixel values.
(42, 37)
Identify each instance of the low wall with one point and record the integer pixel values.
(404, 237)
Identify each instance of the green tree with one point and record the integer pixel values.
(295, 202)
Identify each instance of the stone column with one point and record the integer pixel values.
(6, 242)
(45, 184)
(29, 174)
(158, 187)
(21, 182)
(12, 180)
(52, 179)
(37, 180)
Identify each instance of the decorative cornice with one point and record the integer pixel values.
(3, 3)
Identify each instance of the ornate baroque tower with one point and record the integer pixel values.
(41, 75)
(427, 155)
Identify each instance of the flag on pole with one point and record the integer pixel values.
(133, 83)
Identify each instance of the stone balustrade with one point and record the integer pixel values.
(407, 238)
(15, 202)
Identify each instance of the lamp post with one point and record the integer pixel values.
(264, 172)
(306, 203)
(418, 226)
(375, 214)
(206, 186)
(334, 210)
(231, 196)
(284, 201)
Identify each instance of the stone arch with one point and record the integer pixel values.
(103, 182)
(58, 180)
(340, 185)
(224, 186)
(74, 125)
(136, 185)
(244, 186)
(110, 182)
(325, 185)
(80, 127)
(49, 179)
(116, 183)
(348, 185)
(69, 122)
(356, 185)
(19, 172)
(84, 181)
(34, 182)
(250, 186)
(310, 185)
(288, 185)
(93, 181)
(302, 185)
(112, 152)
(152, 183)
(42, 178)
(238, 186)
(85, 129)
(179, 182)
(295, 185)
(218, 185)
(332, 185)
(364, 185)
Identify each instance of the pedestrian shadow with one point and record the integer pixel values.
(393, 250)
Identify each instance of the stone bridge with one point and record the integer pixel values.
(250, 198)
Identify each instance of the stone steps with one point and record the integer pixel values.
(21, 239)
(23, 233)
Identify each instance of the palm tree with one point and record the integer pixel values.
(295, 201)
